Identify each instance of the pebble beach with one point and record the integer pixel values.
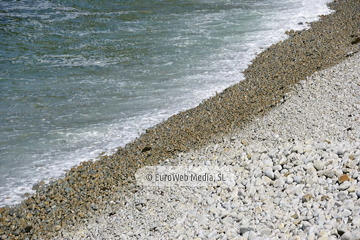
(290, 132)
(296, 176)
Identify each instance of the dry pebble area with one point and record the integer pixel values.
(297, 176)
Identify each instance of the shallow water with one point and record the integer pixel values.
(78, 77)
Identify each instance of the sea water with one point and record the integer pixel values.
(82, 77)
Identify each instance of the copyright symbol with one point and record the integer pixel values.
(149, 177)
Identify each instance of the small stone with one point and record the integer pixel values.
(277, 175)
(344, 178)
(311, 171)
(242, 193)
(344, 186)
(244, 229)
(36, 186)
(352, 188)
(305, 225)
(279, 183)
(297, 221)
(255, 156)
(339, 172)
(262, 149)
(340, 152)
(2, 209)
(269, 172)
(252, 235)
(346, 236)
(228, 221)
(277, 167)
(306, 198)
(358, 193)
(356, 233)
(100, 220)
(289, 180)
(203, 219)
(355, 174)
(258, 174)
(210, 200)
(293, 190)
(258, 210)
(320, 220)
(329, 174)
(310, 181)
(211, 235)
(346, 213)
(297, 149)
(324, 198)
(323, 233)
(319, 165)
(246, 235)
(265, 232)
(281, 226)
(356, 222)
(342, 196)
(298, 179)
(311, 236)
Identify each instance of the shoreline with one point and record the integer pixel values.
(271, 75)
(292, 174)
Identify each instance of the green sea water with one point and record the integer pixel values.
(81, 77)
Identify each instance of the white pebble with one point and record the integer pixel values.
(289, 180)
(279, 182)
(277, 167)
(356, 222)
(269, 172)
(346, 236)
(344, 186)
(319, 165)
(298, 179)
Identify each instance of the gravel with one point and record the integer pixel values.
(300, 185)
